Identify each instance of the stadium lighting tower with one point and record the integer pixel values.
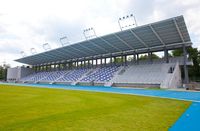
(33, 51)
(46, 46)
(23, 53)
(126, 22)
(64, 41)
(89, 33)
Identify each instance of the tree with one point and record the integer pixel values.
(118, 60)
(3, 71)
(145, 57)
(194, 55)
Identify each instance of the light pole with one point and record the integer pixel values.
(64, 41)
(33, 51)
(46, 46)
(23, 53)
(89, 33)
(127, 21)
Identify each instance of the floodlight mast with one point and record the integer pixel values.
(46, 46)
(64, 41)
(130, 17)
(23, 53)
(89, 33)
(33, 51)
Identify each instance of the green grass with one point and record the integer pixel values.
(30, 108)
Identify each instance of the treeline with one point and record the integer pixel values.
(3, 71)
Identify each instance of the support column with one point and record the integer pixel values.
(114, 60)
(151, 59)
(59, 66)
(149, 56)
(36, 68)
(186, 77)
(125, 59)
(54, 67)
(77, 64)
(84, 63)
(122, 60)
(166, 55)
(111, 60)
(67, 66)
(92, 62)
(101, 61)
(134, 58)
(137, 58)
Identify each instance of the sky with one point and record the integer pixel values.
(26, 24)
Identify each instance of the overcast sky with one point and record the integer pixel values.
(26, 24)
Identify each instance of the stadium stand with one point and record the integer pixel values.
(82, 63)
(133, 74)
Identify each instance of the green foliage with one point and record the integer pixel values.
(177, 52)
(118, 60)
(194, 55)
(27, 108)
(145, 57)
(3, 71)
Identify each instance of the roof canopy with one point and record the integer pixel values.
(170, 33)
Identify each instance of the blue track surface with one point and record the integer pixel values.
(189, 121)
(181, 95)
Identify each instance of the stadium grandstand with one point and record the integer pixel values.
(95, 61)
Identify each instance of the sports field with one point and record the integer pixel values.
(31, 108)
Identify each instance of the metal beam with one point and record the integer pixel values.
(95, 53)
(101, 48)
(138, 38)
(110, 44)
(156, 34)
(74, 55)
(179, 32)
(79, 50)
(124, 42)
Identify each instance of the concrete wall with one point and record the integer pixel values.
(13, 74)
(16, 73)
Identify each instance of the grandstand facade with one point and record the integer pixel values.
(96, 61)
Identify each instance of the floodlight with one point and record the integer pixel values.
(23, 53)
(64, 40)
(33, 51)
(89, 33)
(46, 46)
(127, 21)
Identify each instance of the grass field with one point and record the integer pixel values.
(30, 108)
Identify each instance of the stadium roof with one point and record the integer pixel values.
(171, 33)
